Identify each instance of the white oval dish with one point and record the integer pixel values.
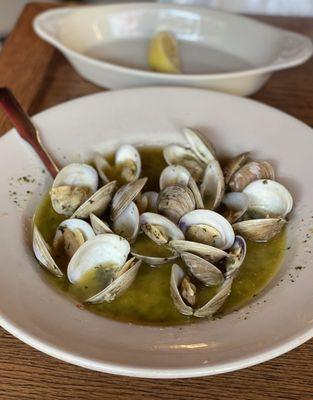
(108, 45)
(280, 319)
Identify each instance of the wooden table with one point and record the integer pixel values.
(41, 78)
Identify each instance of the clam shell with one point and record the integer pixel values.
(267, 198)
(159, 228)
(203, 270)
(99, 227)
(42, 253)
(103, 250)
(154, 261)
(200, 146)
(233, 165)
(97, 203)
(237, 205)
(127, 223)
(207, 252)
(102, 166)
(174, 175)
(203, 233)
(119, 285)
(73, 224)
(212, 187)
(213, 305)
(125, 195)
(66, 199)
(250, 172)
(259, 230)
(127, 159)
(179, 155)
(237, 254)
(147, 202)
(77, 175)
(196, 193)
(175, 201)
(177, 275)
(211, 219)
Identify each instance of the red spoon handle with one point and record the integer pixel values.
(25, 127)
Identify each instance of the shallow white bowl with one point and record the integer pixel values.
(108, 45)
(278, 320)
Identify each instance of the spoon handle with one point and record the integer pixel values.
(25, 128)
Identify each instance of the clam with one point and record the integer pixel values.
(184, 295)
(71, 234)
(259, 230)
(127, 223)
(125, 195)
(107, 251)
(147, 202)
(199, 145)
(207, 227)
(159, 228)
(43, 254)
(175, 154)
(72, 186)
(120, 283)
(153, 260)
(212, 187)
(97, 203)
(237, 205)
(99, 227)
(250, 172)
(267, 198)
(233, 165)
(179, 175)
(203, 270)
(236, 256)
(128, 162)
(205, 251)
(175, 201)
(103, 167)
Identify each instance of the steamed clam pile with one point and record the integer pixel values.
(199, 220)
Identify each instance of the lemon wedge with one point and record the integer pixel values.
(163, 53)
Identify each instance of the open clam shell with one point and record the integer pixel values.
(102, 166)
(233, 165)
(72, 186)
(199, 219)
(267, 198)
(237, 204)
(103, 251)
(154, 261)
(175, 154)
(259, 230)
(147, 202)
(250, 172)
(159, 228)
(99, 227)
(97, 203)
(42, 253)
(200, 145)
(237, 254)
(213, 305)
(205, 251)
(175, 201)
(212, 187)
(127, 223)
(119, 285)
(72, 233)
(203, 270)
(128, 162)
(125, 195)
(177, 275)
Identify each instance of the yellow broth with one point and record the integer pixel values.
(148, 300)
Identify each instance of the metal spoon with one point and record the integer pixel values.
(25, 128)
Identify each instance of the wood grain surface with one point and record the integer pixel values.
(41, 78)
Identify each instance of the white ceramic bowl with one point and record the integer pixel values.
(108, 45)
(278, 320)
